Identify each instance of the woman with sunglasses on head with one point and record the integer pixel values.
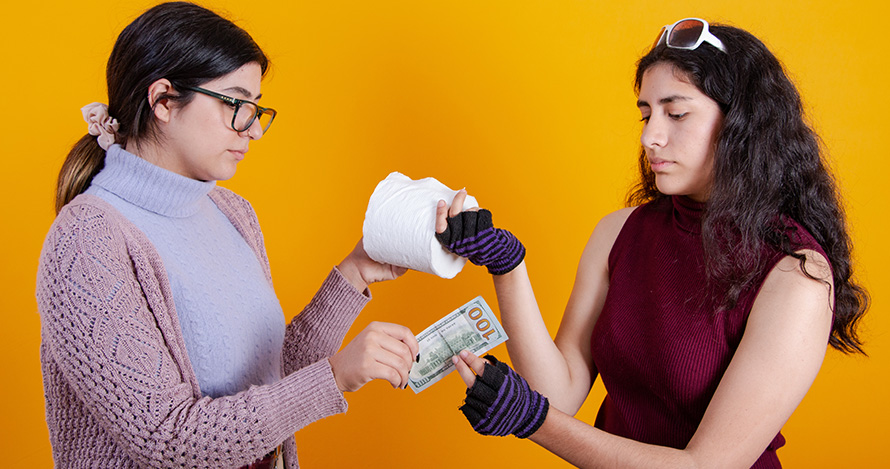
(163, 342)
(706, 306)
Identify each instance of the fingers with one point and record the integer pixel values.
(444, 211)
(395, 355)
(457, 205)
(441, 216)
(361, 271)
(401, 334)
(397, 271)
(381, 351)
(476, 364)
(468, 366)
(466, 374)
(391, 367)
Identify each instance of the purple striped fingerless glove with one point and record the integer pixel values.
(473, 235)
(500, 402)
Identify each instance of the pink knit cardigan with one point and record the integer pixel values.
(120, 390)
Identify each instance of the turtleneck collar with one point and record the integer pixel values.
(687, 213)
(150, 187)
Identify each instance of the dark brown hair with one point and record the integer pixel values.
(182, 42)
(769, 164)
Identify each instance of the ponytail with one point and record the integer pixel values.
(180, 41)
(83, 162)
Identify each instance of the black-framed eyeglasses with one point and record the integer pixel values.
(245, 111)
(688, 33)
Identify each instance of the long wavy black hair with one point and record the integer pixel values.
(769, 164)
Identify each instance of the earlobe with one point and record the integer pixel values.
(158, 93)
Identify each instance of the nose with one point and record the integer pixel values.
(654, 133)
(255, 131)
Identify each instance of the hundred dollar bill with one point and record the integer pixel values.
(473, 327)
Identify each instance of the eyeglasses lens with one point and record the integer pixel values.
(685, 34)
(246, 113)
(265, 120)
(244, 116)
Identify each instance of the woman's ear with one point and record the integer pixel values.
(157, 99)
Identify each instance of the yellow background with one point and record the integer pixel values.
(528, 104)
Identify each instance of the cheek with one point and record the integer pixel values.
(706, 144)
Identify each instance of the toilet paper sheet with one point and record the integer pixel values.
(400, 225)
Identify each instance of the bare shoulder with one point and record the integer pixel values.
(593, 266)
(790, 272)
(801, 292)
(615, 220)
(607, 230)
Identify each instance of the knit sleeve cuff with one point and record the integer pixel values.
(318, 331)
(336, 305)
(304, 397)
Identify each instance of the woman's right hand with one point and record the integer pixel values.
(380, 351)
(472, 234)
(361, 271)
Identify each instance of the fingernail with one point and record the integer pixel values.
(454, 360)
(417, 358)
(464, 354)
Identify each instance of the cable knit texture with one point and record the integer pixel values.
(230, 317)
(120, 389)
(661, 343)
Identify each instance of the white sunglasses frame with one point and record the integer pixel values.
(705, 36)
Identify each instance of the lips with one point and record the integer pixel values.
(239, 153)
(658, 164)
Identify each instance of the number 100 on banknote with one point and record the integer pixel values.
(472, 327)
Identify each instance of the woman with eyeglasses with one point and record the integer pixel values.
(163, 342)
(707, 305)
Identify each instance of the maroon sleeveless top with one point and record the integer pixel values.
(660, 344)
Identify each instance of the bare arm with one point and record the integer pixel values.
(776, 362)
(562, 369)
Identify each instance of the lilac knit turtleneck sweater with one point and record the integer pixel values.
(230, 318)
(119, 383)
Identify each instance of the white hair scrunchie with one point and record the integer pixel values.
(101, 125)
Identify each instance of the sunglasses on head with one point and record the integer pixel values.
(688, 33)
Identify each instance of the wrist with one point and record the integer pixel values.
(351, 271)
(331, 363)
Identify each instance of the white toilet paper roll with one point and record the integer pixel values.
(400, 225)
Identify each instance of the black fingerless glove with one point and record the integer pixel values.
(473, 235)
(501, 402)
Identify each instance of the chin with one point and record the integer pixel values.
(666, 188)
(225, 174)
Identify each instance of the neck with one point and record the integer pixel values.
(155, 153)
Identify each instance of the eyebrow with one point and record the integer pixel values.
(243, 92)
(663, 101)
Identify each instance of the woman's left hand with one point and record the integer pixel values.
(499, 402)
(360, 270)
(468, 366)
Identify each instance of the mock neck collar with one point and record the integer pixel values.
(150, 187)
(687, 213)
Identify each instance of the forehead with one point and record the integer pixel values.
(242, 83)
(662, 80)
